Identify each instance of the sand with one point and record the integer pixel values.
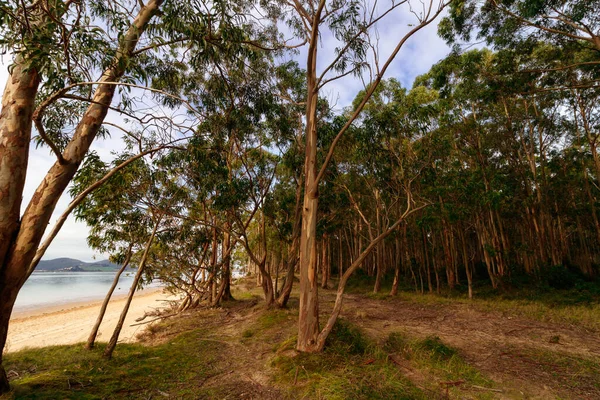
(71, 323)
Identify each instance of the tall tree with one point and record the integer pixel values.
(352, 24)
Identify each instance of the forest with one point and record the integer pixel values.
(242, 178)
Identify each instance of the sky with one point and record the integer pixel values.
(416, 57)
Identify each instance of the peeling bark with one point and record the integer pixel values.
(19, 240)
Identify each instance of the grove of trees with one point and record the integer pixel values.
(234, 157)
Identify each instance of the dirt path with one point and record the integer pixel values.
(526, 358)
(241, 370)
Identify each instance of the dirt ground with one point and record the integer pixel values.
(525, 358)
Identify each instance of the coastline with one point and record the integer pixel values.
(28, 312)
(70, 323)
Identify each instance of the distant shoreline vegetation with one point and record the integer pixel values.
(73, 265)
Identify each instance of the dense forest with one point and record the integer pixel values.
(235, 159)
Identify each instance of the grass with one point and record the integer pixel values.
(190, 349)
(266, 325)
(439, 365)
(578, 304)
(570, 371)
(585, 315)
(71, 372)
(351, 367)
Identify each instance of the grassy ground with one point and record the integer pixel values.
(579, 304)
(409, 347)
(137, 371)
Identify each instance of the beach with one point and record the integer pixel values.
(72, 322)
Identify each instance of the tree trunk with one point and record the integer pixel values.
(226, 278)
(8, 294)
(19, 241)
(337, 307)
(394, 290)
(112, 343)
(308, 318)
(378, 249)
(18, 102)
(325, 262)
(92, 338)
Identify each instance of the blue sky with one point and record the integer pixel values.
(416, 57)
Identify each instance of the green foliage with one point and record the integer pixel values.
(346, 338)
(436, 348)
(560, 277)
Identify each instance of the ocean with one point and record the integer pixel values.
(44, 289)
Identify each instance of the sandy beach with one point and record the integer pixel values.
(71, 323)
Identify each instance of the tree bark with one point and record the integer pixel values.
(18, 103)
(92, 338)
(19, 240)
(308, 318)
(394, 290)
(112, 343)
(226, 277)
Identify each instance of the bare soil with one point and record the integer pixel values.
(525, 358)
(242, 367)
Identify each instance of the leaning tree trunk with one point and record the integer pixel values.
(20, 237)
(15, 134)
(337, 307)
(112, 343)
(94, 333)
(292, 258)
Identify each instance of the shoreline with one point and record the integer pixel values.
(50, 309)
(70, 323)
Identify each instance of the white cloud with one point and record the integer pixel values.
(416, 57)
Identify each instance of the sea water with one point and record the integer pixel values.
(44, 289)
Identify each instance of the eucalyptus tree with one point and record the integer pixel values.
(507, 22)
(180, 261)
(570, 28)
(125, 215)
(352, 26)
(55, 45)
(117, 223)
(58, 48)
(249, 108)
(114, 227)
(498, 174)
(289, 141)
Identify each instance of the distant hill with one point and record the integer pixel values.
(71, 264)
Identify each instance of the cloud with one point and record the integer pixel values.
(416, 56)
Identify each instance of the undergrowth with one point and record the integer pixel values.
(350, 367)
(577, 301)
(439, 365)
(137, 371)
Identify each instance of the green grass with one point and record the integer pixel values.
(267, 323)
(439, 365)
(351, 367)
(585, 315)
(71, 372)
(579, 304)
(577, 373)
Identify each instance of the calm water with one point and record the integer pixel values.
(52, 288)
